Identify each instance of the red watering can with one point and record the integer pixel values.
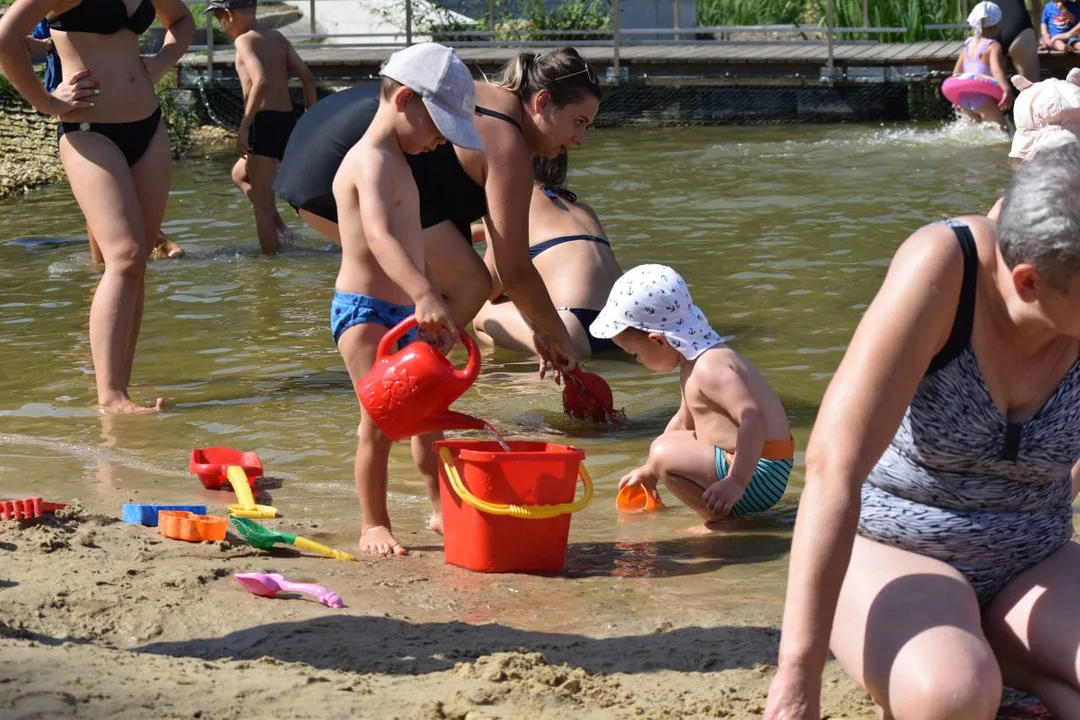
(410, 392)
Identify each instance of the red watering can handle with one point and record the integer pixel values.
(390, 340)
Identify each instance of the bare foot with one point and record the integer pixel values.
(436, 522)
(126, 406)
(377, 540)
(707, 528)
(166, 249)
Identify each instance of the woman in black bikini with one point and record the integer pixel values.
(542, 104)
(113, 146)
(571, 252)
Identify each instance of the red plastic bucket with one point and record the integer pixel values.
(513, 511)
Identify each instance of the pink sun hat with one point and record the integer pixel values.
(1047, 114)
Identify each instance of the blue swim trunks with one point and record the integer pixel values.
(349, 309)
(766, 487)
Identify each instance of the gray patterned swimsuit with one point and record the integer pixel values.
(960, 483)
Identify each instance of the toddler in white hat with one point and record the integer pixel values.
(728, 450)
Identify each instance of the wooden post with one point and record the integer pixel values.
(311, 16)
(866, 13)
(830, 23)
(491, 20)
(675, 19)
(210, 47)
(408, 22)
(615, 37)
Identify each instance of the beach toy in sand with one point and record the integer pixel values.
(246, 507)
(638, 498)
(211, 465)
(969, 83)
(139, 514)
(180, 525)
(509, 510)
(27, 508)
(410, 391)
(269, 585)
(264, 538)
(587, 396)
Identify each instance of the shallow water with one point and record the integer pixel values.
(783, 233)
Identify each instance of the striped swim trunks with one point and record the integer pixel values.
(770, 477)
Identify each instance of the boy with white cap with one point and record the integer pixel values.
(427, 98)
(728, 450)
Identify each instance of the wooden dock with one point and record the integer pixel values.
(709, 63)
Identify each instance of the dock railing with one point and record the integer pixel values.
(503, 32)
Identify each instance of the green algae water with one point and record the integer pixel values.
(783, 234)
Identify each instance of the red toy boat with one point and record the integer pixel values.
(211, 465)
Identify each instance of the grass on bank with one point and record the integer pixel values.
(911, 14)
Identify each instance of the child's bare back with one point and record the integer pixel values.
(263, 54)
(724, 367)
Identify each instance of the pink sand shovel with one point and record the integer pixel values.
(270, 585)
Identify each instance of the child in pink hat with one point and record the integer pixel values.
(1047, 114)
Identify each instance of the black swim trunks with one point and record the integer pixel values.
(270, 132)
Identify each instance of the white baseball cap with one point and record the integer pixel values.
(446, 86)
(654, 298)
(984, 15)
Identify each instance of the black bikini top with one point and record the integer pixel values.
(104, 17)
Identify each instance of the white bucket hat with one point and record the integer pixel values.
(654, 298)
(984, 15)
(1047, 114)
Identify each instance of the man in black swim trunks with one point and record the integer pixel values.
(264, 60)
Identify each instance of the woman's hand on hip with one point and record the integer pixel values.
(75, 93)
(156, 67)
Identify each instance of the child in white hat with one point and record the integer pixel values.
(728, 450)
(982, 58)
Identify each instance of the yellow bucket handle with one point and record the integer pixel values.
(524, 512)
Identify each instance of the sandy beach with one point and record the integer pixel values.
(105, 619)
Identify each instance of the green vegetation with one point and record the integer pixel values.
(178, 115)
(911, 14)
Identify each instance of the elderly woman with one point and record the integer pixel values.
(936, 521)
(113, 146)
(571, 252)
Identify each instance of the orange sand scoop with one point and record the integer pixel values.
(587, 396)
(638, 498)
(179, 525)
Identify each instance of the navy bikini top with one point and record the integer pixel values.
(553, 193)
(104, 17)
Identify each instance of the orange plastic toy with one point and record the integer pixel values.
(27, 508)
(637, 498)
(509, 511)
(179, 525)
(212, 464)
(410, 392)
